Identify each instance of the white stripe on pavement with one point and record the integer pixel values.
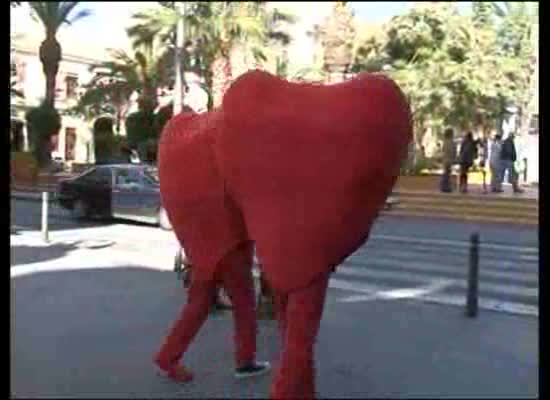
(438, 298)
(402, 293)
(415, 279)
(457, 243)
(494, 270)
(373, 247)
(447, 268)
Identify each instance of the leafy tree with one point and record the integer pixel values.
(337, 37)
(213, 30)
(456, 70)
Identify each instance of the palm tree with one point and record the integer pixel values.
(53, 15)
(213, 30)
(338, 35)
(144, 72)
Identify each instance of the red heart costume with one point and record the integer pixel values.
(300, 169)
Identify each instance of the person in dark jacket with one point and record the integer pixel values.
(508, 158)
(467, 155)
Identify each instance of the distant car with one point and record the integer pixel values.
(126, 191)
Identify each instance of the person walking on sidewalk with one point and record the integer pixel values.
(482, 149)
(448, 159)
(495, 164)
(508, 158)
(467, 155)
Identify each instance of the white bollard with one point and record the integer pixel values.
(45, 217)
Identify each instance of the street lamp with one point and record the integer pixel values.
(178, 89)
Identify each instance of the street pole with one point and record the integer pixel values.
(45, 217)
(473, 276)
(180, 40)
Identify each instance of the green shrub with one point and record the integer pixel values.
(140, 128)
(43, 122)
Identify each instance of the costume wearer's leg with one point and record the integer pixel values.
(192, 317)
(296, 376)
(236, 276)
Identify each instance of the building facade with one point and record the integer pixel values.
(75, 140)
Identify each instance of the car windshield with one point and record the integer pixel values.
(151, 174)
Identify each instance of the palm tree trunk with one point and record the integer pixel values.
(209, 81)
(50, 87)
(50, 56)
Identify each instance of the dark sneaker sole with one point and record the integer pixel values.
(266, 367)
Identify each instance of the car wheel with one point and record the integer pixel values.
(80, 210)
(164, 222)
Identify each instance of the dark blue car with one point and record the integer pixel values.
(127, 191)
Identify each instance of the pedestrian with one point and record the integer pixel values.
(482, 149)
(495, 164)
(448, 159)
(508, 157)
(467, 155)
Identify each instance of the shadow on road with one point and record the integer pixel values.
(94, 332)
(23, 254)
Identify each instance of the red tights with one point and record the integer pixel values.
(235, 274)
(299, 314)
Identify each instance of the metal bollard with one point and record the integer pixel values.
(473, 274)
(45, 217)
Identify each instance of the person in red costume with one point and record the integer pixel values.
(302, 170)
(209, 224)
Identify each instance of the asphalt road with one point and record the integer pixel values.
(26, 214)
(404, 257)
(90, 309)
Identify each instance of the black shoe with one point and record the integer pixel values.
(253, 369)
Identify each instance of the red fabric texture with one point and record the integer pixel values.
(234, 273)
(301, 169)
(310, 166)
(205, 220)
(299, 315)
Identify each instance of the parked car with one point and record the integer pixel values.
(126, 191)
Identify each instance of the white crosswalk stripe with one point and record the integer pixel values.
(392, 268)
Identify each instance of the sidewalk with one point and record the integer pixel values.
(88, 324)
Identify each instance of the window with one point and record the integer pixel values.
(105, 176)
(71, 86)
(151, 175)
(100, 176)
(125, 176)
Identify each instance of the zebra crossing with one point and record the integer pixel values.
(436, 270)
